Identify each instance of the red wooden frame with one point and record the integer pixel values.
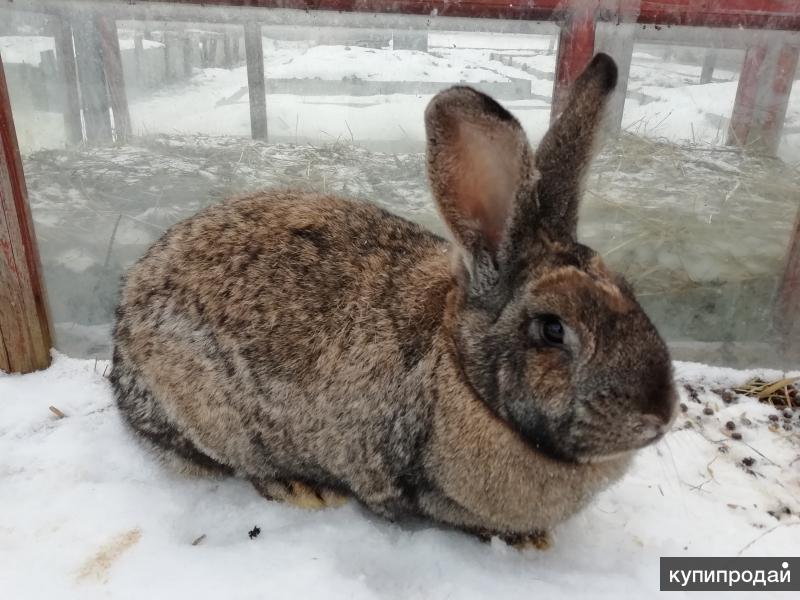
(25, 337)
(758, 14)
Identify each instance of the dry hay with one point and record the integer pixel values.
(782, 393)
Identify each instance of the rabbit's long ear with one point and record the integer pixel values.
(564, 155)
(479, 165)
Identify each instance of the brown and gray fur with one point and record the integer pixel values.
(312, 343)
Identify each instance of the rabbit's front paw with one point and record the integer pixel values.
(299, 494)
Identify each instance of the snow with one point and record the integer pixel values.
(492, 41)
(126, 43)
(25, 48)
(87, 513)
(373, 64)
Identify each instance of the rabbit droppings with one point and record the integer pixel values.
(324, 348)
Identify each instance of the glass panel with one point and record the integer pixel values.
(700, 227)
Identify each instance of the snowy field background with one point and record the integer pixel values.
(87, 513)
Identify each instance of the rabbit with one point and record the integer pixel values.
(326, 349)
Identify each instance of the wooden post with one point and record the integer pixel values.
(49, 71)
(227, 40)
(173, 55)
(762, 96)
(787, 307)
(139, 60)
(616, 40)
(410, 39)
(709, 63)
(25, 334)
(94, 95)
(777, 98)
(236, 44)
(68, 72)
(188, 54)
(115, 77)
(575, 49)
(255, 80)
(746, 95)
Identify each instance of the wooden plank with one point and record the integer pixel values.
(25, 333)
(115, 77)
(255, 80)
(65, 51)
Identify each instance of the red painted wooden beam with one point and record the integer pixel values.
(758, 14)
(25, 337)
(755, 14)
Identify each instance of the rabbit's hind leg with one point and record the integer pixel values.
(540, 540)
(299, 494)
(145, 416)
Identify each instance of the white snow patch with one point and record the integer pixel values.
(25, 48)
(372, 64)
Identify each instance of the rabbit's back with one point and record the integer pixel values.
(285, 336)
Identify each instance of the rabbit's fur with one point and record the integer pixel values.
(317, 345)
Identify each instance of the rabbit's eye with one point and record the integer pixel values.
(552, 330)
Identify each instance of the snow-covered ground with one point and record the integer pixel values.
(87, 513)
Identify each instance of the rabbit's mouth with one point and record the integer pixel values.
(652, 438)
(647, 431)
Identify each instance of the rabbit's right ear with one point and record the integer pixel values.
(480, 168)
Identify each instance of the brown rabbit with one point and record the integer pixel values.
(323, 348)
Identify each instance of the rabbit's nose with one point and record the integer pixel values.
(662, 405)
(651, 428)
